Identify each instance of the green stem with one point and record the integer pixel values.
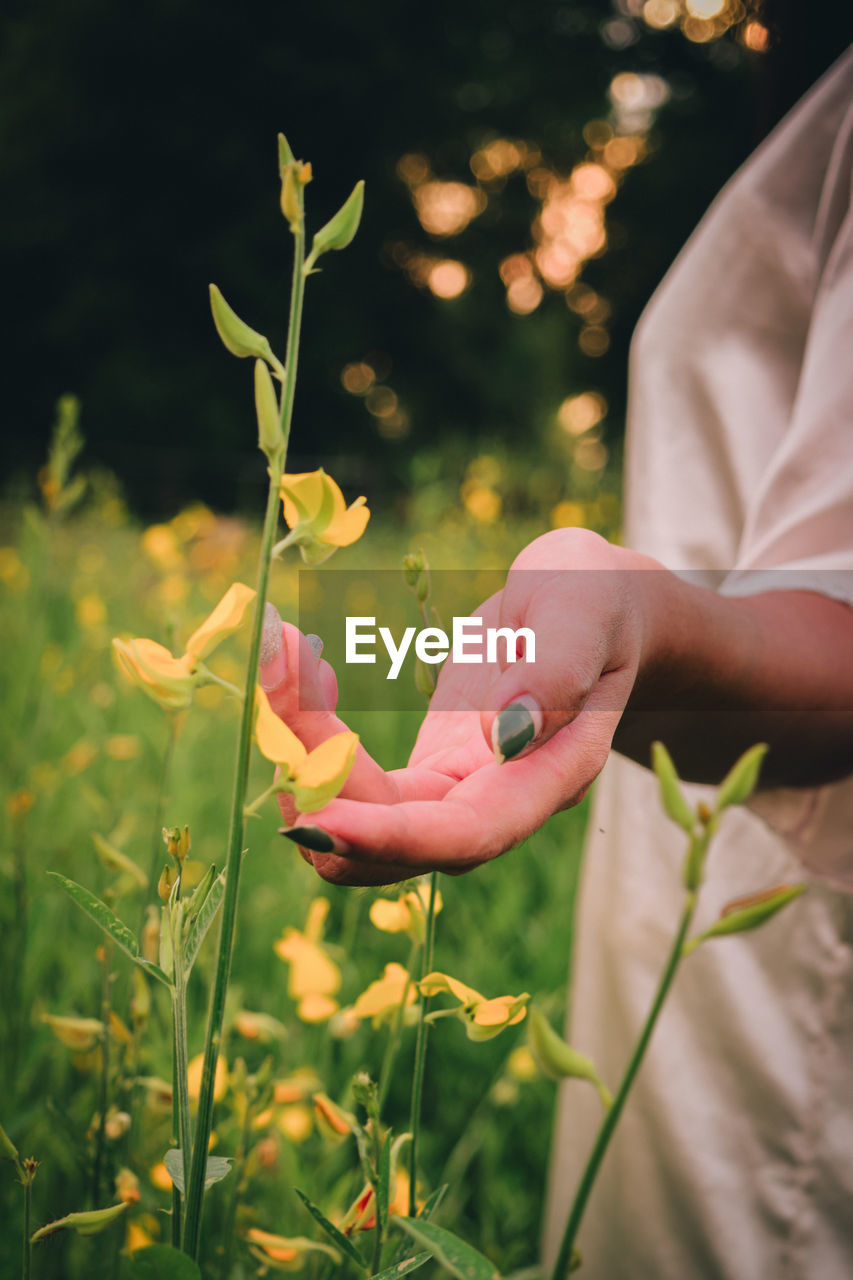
(26, 1261)
(223, 684)
(204, 1121)
(157, 846)
(255, 805)
(396, 1027)
(103, 1090)
(175, 1141)
(420, 1049)
(611, 1118)
(181, 1059)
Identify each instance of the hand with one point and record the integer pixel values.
(455, 806)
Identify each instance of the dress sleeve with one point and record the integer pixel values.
(799, 530)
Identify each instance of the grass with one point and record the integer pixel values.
(83, 754)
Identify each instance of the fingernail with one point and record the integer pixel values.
(515, 727)
(313, 838)
(316, 645)
(272, 660)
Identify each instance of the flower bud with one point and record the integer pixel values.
(557, 1059)
(672, 797)
(341, 229)
(270, 438)
(739, 783)
(168, 876)
(748, 913)
(291, 205)
(285, 155)
(236, 335)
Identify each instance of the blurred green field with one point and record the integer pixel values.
(83, 753)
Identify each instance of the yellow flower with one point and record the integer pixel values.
(170, 680)
(258, 1026)
(383, 998)
(286, 1253)
(318, 517)
(314, 977)
(407, 915)
(483, 1018)
(313, 778)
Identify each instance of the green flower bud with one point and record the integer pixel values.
(339, 230)
(270, 438)
(557, 1059)
(88, 1223)
(672, 797)
(285, 155)
(291, 205)
(749, 912)
(739, 783)
(236, 335)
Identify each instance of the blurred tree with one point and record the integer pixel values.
(138, 162)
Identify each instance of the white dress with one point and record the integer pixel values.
(734, 1157)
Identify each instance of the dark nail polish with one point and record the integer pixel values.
(513, 729)
(313, 838)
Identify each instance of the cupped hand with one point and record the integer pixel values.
(550, 722)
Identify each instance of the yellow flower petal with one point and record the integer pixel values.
(316, 919)
(224, 619)
(316, 1008)
(296, 1122)
(347, 526)
(492, 1013)
(324, 771)
(435, 982)
(390, 917)
(164, 678)
(274, 739)
(386, 994)
(302, 496)
(311, 970)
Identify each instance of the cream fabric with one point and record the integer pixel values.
(734, 1157)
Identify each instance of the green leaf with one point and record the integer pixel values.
(88, 1223)
(432, 1202)
(218, 1167)
(458, 1257)
(672, 797)
(110, 923)
(162, 1262)
(202, 922)
(402, 1268)
(740, 782)
(340, 230)
(332, 1231)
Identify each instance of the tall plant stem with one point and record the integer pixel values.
(174, 720)
(181, 1059)
(195, 1191)
(609, 1123)
(396, 1027)
(420, 1049)
(103, 1088)
(26, 1261)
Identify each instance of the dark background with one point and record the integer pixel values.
(138, 162)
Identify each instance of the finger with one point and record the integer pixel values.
(570, 628)
(302, 690)
(486, 813)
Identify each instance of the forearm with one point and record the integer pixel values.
(719, 673)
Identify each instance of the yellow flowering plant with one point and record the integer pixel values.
(172, 681)
(317, 515)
